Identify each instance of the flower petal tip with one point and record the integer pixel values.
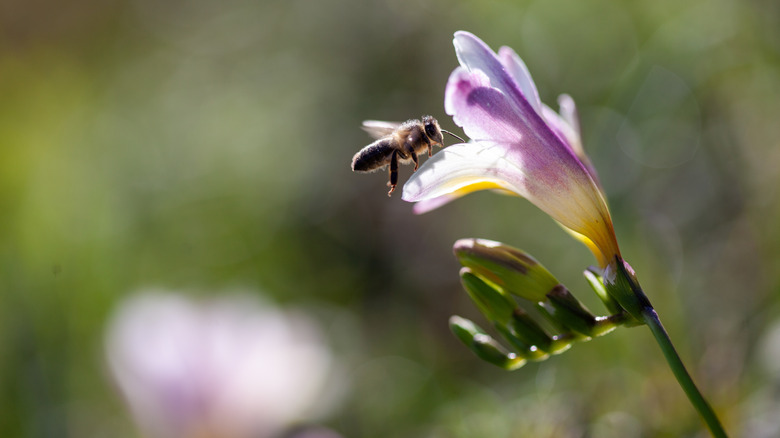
(431, 204)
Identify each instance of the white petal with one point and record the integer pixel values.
(564, 130)
(569, 112)
(459, 166)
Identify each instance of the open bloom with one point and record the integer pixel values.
(519, 146)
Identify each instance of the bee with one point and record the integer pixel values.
(398, 143)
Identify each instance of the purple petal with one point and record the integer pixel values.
(562, 129)
(566, 125)
(486, 115)
(504, 112)
(483, 111)
(474, 54)
(519, 72)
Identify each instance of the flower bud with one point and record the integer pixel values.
(509, 269)
(621, 284)
(527, 351)
(528, 331)
(568, 311)
(485, 347)
(496, 306)
(596, 283)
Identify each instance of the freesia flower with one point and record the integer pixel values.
(518, 146)
(228, 368)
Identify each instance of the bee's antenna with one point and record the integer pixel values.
(448, 132)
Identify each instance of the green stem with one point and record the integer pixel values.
(678, 368)
(621, 283)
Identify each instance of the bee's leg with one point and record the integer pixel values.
(430, 146)
(411, 153)
(393, 172)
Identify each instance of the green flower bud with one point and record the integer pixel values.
(528, 351)
(622, 285)
(509, 269)
(496, 306)
(596, 283)
(528, 331)
(483, 345)
(567, 310)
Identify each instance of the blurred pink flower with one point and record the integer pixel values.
(227, 367)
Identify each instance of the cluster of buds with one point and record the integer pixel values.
(527, 306)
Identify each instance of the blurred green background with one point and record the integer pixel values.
(204, 146)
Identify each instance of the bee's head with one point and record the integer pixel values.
(432, 130)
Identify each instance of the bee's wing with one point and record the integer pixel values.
(379, 129)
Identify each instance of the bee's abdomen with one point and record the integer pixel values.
(373, 156)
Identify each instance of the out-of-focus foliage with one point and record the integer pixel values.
(203, 145)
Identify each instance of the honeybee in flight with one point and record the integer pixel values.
(398, 143)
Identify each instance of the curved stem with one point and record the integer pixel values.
(622, 284)
(678, 368)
